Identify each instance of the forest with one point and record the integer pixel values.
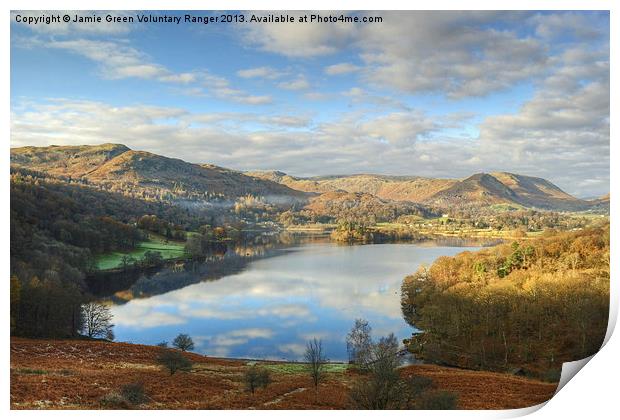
(524, 307)
(56, 230)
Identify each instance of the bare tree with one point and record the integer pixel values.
(316, 360)
(382, 388)
(97, 320)
(183, 342)
(359, 343)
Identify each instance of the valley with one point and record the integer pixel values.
(252, 265)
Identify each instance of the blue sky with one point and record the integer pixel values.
(444, 94)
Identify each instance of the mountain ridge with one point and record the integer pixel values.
(121, 167)
(117, 166)
(482, 189)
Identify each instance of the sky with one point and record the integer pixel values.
(439, 94)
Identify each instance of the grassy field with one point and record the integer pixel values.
(169, 250)
(300, 368)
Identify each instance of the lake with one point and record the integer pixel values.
(266, 301)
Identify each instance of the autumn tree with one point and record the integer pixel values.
(529, 305)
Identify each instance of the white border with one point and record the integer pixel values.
(591, 395)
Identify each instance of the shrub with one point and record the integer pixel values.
(134, 393)
(552, 375)
(256, 377)
(419, 384)
(437, 400)
(114, 401)
(174, 361)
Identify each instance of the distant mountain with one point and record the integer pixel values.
(117, 166)
(509, 189)
(478, 189)
(498, 188)
(400, 188)
(601, 204)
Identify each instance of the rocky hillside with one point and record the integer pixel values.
(117, 166)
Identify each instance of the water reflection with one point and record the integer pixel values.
(267, 303)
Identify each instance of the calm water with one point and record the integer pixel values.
(266, 302)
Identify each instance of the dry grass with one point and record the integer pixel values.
(71, 374)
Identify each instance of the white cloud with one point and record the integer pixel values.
(317, 96)
(180, 78)
(293, 348)
(255, 100)
(143, 315)
(458, 54)
(559, 25)
(298, 40)
(300, 83)
(341, 68)
(264, 72)
(119, 61)
(238, 337)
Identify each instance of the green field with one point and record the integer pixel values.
(170, 250)
(294, 368)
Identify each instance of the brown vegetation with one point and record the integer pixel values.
(73, 374)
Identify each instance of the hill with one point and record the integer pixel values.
(478, 190)
(538, 192)
(601, 204)
(116, 167)
(77, 374)
(397, 188)
(340, 205)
